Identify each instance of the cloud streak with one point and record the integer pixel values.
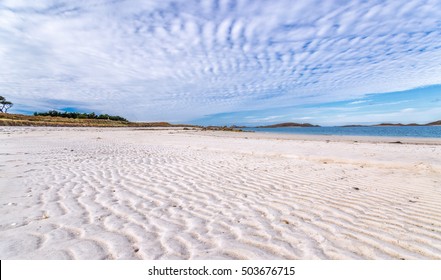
(180, 60)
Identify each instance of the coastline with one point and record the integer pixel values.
(168, 193)
(372, 135)
(343, 138)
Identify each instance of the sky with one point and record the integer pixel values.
(225, 62)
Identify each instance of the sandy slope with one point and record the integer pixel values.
(173, 194)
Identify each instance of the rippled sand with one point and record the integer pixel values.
(71, 193)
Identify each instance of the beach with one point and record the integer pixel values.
(170, 193)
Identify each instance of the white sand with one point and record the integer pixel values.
(71, 193)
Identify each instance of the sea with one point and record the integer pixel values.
(385, 131)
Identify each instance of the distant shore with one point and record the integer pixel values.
(27, 120)
(436, 123)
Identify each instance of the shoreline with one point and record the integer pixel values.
(256, 134)
(351, 138)
(367, 138)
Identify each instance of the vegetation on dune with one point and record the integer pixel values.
(57, 118)
(41, 120)
(26, 120)
(76, 115)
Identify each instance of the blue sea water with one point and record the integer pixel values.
(386, 131)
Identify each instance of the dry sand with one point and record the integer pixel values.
(89, 193)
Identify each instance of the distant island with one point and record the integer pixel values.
(394, 124)
(288, 124)
(291, 124)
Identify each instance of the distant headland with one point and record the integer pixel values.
(288, 124)
(396, 124)
(292, 124)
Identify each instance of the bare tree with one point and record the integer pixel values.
(4, 105)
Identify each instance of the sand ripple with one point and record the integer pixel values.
(70, 194)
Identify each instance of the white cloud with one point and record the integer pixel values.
(358, 102)
(178, 60)
(252, 119)
(407, 110)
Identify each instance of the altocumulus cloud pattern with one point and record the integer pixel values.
(181, 60)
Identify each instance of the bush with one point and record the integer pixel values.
(76, 115)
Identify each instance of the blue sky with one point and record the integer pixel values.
(223, 61)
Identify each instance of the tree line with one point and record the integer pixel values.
(76, 115)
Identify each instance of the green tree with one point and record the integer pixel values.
(4, 105)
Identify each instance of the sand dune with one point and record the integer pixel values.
(88, 193)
